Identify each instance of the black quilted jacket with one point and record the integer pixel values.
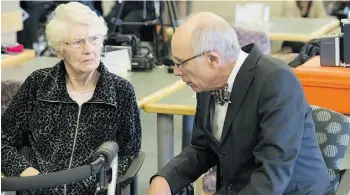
(63, 135)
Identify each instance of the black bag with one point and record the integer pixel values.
(308, 51)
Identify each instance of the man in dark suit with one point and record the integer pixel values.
(252, 118)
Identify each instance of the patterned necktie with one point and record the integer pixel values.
(222, 96)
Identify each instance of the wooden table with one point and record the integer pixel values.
(300, 29)
(13, 59)
(180, 102)
(297, 29)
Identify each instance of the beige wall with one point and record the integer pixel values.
(226, 9)
(11, 21)
(11, 17)
(107, 6)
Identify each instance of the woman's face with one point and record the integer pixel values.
(82, 49)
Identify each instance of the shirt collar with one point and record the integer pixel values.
(241, 58)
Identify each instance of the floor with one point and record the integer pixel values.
(149, 146)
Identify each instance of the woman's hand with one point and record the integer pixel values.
(30, 171)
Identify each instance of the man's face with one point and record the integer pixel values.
(196, 70)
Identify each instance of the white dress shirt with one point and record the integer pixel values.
(220, 110)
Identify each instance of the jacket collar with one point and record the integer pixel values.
(53, 87)
(254, 54)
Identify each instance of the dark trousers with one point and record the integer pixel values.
(29, 34)
(295, 46)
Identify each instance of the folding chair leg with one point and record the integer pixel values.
(133, 186)
(118, 190)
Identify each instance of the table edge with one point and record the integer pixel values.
(156, 96)
(170, 109)
(303, 37)
(13, 60)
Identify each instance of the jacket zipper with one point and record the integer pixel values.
(74, 142)
(76, 133)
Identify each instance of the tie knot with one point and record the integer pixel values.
(222, 96)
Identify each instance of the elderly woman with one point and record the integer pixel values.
(66, 112)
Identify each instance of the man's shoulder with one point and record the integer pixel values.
(274, 75)
(269, 64)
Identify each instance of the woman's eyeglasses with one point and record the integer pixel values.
(79, 43)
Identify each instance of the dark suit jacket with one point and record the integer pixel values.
(268, 145)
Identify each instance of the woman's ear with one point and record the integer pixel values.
(58, 54)
(58, 50)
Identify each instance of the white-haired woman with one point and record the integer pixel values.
(66, 112)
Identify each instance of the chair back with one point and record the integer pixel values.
(333, 132)
(8, 92)
(248, 35)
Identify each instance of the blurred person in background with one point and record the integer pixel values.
(301, 9)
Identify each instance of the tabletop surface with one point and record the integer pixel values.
(298, 25)
(18, 58)
(185, 96)
(145, 83)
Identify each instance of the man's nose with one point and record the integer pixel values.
(177, 71)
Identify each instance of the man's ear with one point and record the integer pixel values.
(214, 59)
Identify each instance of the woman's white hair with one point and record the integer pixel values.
(219, 37)
(73, 13)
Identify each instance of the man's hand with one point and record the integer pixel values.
(30, 171)
(159, 186)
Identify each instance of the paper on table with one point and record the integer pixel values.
(117, 62)
(259, 14)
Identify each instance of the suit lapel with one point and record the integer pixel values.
(206, 106)
(209, 116)
(241, 86)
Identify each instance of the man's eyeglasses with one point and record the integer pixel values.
(178, 64)
(79, 43)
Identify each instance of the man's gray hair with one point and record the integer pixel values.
(219, 37)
